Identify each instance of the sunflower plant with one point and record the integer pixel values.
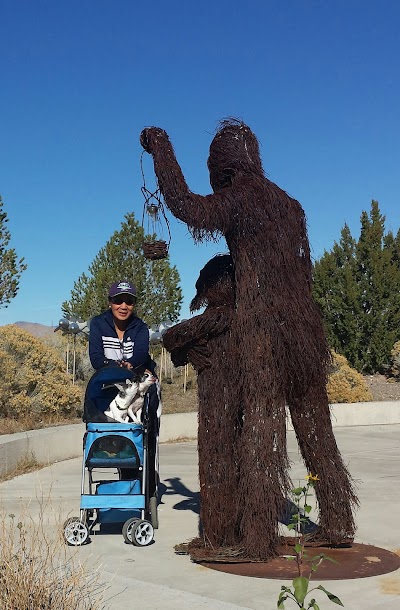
(306, 565)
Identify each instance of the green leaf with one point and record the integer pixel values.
(298, 491)
(329, 559)
(291, 526)
(333, 598)
(313, 604)
(282, 597)
(307, 508)
(298, 548)
(300, 585)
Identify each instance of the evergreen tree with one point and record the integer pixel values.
(11, 267)
(357, 285)
(157, 283)
(336, 290)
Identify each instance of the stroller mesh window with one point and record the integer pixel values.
(113, 450)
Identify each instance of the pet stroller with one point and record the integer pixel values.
(128, 453)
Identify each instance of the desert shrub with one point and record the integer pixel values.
(396, 359)
(346, 384)
(32, 377)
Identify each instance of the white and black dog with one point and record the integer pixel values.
(128, 403)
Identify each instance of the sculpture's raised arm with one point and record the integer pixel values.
(201, 213)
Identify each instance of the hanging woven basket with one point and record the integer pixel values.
(155, 250)
(155, 247)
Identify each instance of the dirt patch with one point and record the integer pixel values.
(352, 562)
(383, 388)
(179, 395)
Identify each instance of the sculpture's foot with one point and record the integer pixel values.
(200, 552)
(319, 537)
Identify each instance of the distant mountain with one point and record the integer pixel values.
(38, 330)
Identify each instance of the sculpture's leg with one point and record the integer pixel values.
(218, 469)
(263, 462)
(335, 489)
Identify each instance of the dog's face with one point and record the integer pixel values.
(146, 381)
(126, 392)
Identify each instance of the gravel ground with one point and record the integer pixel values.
(383, 388)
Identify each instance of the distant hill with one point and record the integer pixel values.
(38, 330)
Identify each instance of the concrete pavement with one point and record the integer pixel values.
(154, 577)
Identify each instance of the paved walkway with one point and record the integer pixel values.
(155, 577)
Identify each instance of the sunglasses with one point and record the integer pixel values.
(122, 298)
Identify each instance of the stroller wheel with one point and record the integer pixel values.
(127, 529)
(142, 533)
(75, 532)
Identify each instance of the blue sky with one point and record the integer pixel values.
(318, 82)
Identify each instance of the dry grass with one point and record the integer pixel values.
(27, 463)
(174, 397)
(11, 426)
(37, 570)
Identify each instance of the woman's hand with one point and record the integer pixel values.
(126, 365)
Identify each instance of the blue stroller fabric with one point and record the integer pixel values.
(110, 445)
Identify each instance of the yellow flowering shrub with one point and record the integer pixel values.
(32, 377)
(345, 384)
(7, 374)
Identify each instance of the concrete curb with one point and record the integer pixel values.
(60, 443)
(46, 446)
(365, 414)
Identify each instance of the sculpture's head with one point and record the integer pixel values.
(215, 284)
(233, 150)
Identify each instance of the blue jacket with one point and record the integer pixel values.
(105, 348)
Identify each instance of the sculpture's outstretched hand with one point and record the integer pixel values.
(150, 136)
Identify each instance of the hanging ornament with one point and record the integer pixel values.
(157, 236)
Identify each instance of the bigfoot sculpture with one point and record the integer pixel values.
(203, 340)
(277, 344)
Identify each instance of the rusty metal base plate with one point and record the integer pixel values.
(357, 561)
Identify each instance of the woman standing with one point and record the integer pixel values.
(118, 336)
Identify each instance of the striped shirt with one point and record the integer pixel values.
(106, 348)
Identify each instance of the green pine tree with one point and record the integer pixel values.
(338, 294)
(157, 283)
(11, 267)
(357, 286)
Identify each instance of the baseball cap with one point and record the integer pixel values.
(122, 287)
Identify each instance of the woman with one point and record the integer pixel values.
(118, 336)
